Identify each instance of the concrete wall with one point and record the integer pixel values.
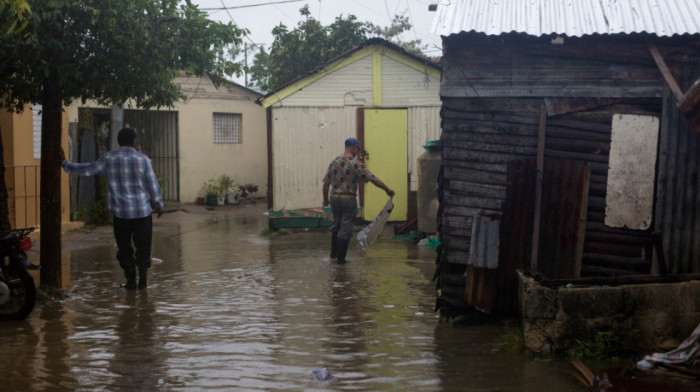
(199, 158)
(662, 315)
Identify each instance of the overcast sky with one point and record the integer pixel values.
(260, 16)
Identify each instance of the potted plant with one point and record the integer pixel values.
(223, 184)
(210, 190)
(234, 194)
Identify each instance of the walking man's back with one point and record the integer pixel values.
(133, 193)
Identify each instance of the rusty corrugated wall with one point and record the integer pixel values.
(677, 215)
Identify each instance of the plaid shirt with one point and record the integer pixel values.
(343, 174)
(132, 187)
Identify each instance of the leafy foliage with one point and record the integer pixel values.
(399, 24)
(13, 17)
(609, 343)
(113, 51)
(296, 52)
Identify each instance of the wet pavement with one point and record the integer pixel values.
(231, 309)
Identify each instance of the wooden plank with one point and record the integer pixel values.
(473, 202)
(456, 146)
(666, 72)
(538, 188)
(475, 156)
(516, 229)
(559, 106)
(496, 138)
(582, 146)
(577, 156)
(564, 214)
(462, 211)
(478, 166)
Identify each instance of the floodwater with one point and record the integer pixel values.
(230, 309)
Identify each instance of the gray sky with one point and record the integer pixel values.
(260, 16)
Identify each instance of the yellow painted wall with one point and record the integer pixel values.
(22, 170)
(387, 145)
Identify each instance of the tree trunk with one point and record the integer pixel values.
(50, 208)
(4, 214)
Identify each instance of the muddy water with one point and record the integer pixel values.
(229, 309)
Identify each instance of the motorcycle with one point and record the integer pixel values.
(17, 289)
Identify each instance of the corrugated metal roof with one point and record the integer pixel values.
(573, 18)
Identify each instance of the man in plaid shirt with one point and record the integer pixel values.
(133, 193)
(340, 191)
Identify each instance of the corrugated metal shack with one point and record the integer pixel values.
(559, 96)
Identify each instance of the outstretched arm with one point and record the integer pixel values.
(379, 184)
(82, 169)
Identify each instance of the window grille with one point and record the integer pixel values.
(227, 128)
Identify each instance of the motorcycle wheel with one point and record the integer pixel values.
(22, 293)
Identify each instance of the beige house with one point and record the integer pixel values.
(21, 138)
(217, 130)
(377, 92)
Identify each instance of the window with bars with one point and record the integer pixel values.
(227, 128)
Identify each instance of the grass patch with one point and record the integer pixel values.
(511, 341)
(269, 233)
(611, 343)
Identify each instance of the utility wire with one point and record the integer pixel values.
(234, 22)
(224, 7)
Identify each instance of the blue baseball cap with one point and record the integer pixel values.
(352, 142)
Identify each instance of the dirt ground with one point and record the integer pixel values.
(91, 235)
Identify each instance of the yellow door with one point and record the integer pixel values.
(386, 143)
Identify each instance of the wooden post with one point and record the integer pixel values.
(538, 187)
(666, 72)
(270, 161)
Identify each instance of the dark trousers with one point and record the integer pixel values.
(140, 232)
(344, 212)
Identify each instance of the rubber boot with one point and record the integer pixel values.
(334, 246)
(130, 274)
(143, 277)
(342, 250)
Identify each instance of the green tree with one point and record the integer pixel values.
(310, 44)
(111, 51)
(393, 32)
(296, 52)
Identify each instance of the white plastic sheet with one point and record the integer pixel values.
(369, 234)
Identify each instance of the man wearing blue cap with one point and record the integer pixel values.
(341, 179)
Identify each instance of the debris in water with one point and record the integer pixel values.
(321, 374)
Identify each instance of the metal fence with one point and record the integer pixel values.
(157, 137)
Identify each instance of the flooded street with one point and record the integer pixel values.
(231, 309)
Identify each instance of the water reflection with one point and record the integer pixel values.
(138, 358)
(229, 309)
